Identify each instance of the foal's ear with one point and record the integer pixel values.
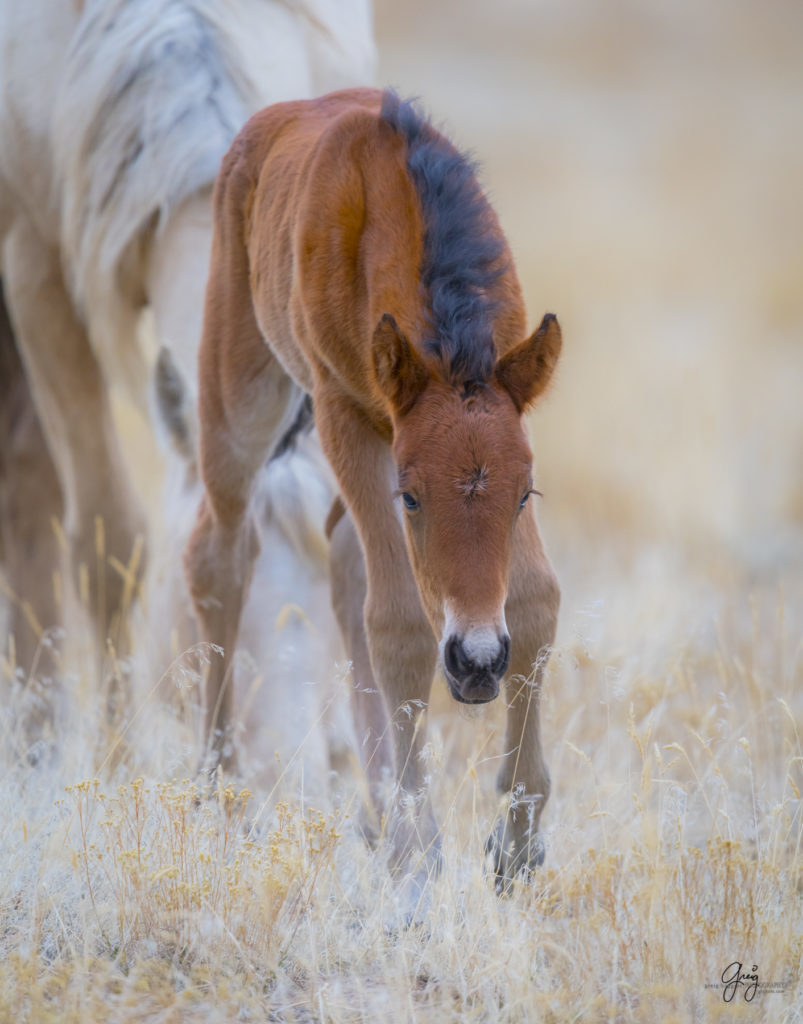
(526, 371)
(400, 371)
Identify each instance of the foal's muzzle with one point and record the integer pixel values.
(475, 679)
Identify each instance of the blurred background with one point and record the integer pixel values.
(646, 161)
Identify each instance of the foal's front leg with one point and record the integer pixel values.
(369, 712)
(531, 611)
(402, 646)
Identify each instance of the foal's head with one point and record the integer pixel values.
(464, 479)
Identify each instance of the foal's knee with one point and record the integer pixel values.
(401, 638)
(548, 598)
(218, 557)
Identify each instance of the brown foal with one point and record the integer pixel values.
(356, 259)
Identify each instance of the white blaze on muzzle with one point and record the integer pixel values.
(481, 642)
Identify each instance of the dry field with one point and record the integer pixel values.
(646, 160)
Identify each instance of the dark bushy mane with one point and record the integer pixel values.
(463, 257)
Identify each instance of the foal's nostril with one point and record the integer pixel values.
(457, 663)
(500, 662)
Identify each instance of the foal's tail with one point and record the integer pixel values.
(172, 405)
(296, 488)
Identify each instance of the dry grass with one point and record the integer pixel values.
(674, 834)
(646, 163)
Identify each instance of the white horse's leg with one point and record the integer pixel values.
(30, 498)
(531, 612)
(73, 407)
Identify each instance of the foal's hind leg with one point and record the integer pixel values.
(246, 403)
(73, 406)
(531, 612)
(30, 498)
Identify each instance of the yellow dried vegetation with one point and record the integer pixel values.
(674, 850)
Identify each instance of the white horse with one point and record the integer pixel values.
(114, 116)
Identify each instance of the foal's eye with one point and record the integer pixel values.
(526, 497)
(409, 501)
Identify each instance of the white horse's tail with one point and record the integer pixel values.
(172, 405)
(152, 95)
(145, 112)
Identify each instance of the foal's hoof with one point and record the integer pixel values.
(412, 901)
(512, 857)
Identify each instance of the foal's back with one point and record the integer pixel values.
(334, 235)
